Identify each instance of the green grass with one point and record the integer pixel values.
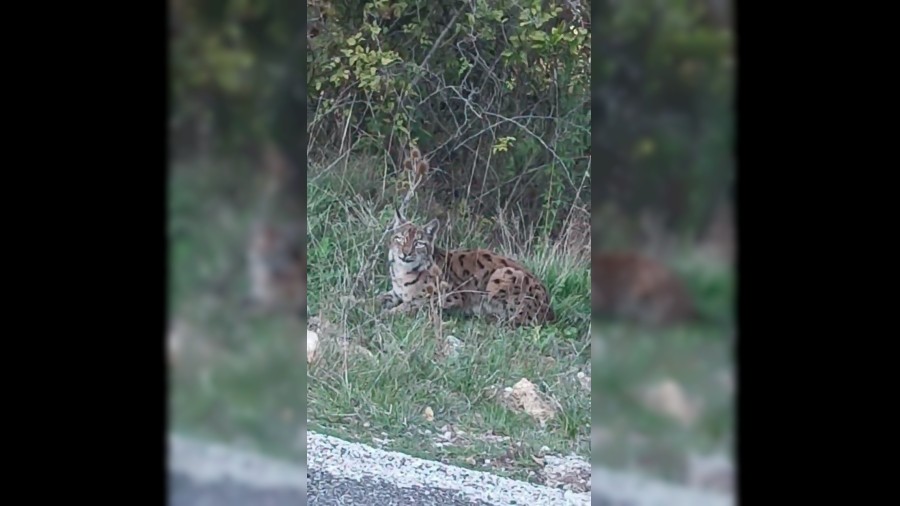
(376, 374)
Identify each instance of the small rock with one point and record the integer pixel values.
(312, 344)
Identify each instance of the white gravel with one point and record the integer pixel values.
(356, 461)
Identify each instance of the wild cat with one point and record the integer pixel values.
(474, 281)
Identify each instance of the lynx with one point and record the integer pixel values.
(475, 282)
(635, 287)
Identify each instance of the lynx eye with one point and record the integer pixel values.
(398, 240)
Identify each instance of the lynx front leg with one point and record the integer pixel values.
(405, 308)
(453, 298)
(389, 300)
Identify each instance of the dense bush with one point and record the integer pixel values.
(495, 92)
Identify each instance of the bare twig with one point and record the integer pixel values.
(437, 42)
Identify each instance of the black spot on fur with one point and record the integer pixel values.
(418, 277)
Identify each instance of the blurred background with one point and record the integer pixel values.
(236, 123)
(508, 103)
(664, 240)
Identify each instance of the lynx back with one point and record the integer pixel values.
(484, 283)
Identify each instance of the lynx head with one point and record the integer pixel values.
(410, 244)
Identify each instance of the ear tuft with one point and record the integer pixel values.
(398, 218)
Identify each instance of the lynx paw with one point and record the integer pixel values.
(388, 301)
(404, 309)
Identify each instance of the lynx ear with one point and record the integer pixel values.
(431, 228)
(398, 218)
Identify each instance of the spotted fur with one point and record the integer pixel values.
(476, 282)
